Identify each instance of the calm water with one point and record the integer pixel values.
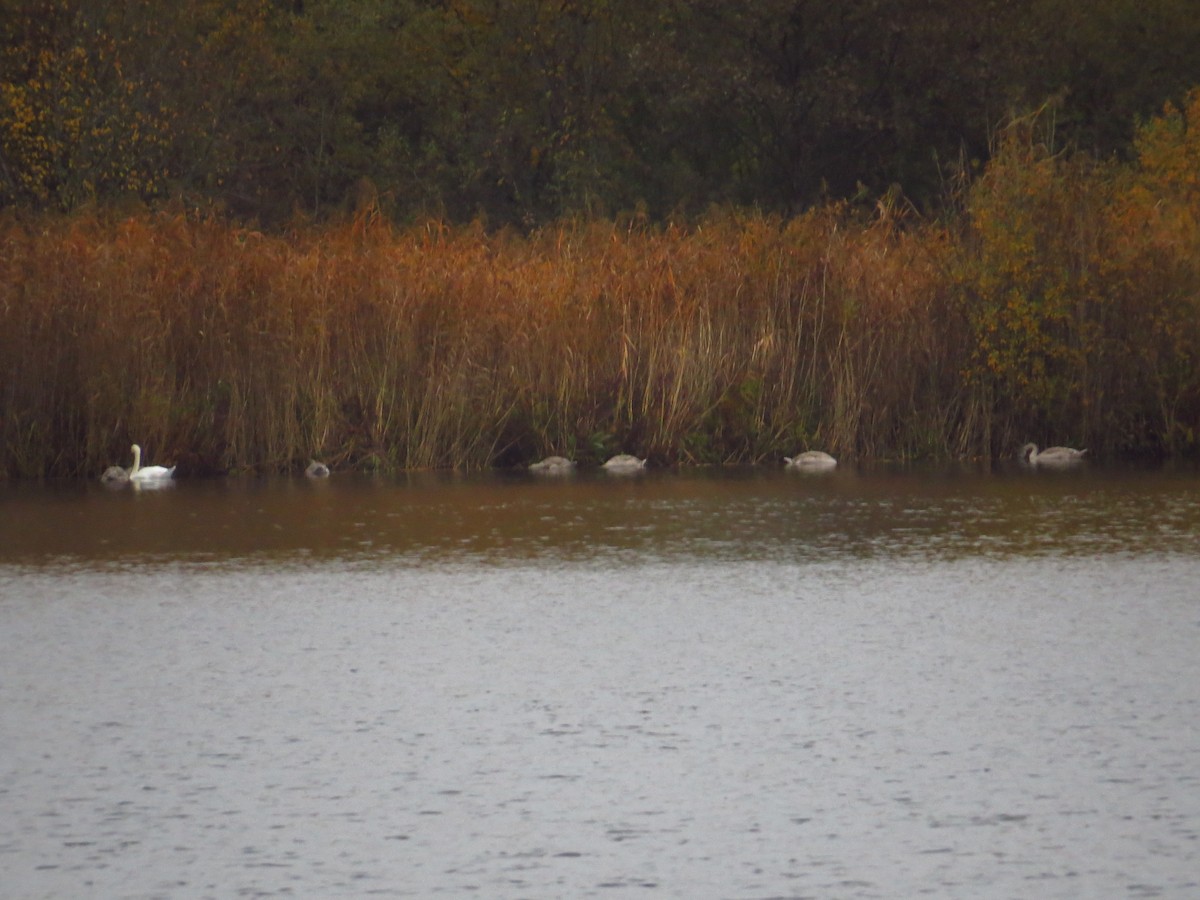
(743, 684)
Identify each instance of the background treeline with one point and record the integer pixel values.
(522, 111)
(1059, 302)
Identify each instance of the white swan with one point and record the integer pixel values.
(553, 465)
(148, 473)
(810, 459)
(623, 462)
(115, 475)
(317, 469)
(1052, 456)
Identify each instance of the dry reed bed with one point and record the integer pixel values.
(1062, 303)
(227, 349)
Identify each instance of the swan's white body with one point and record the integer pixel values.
(148, 473)
(810, 459)
(317, 469)
(623, 462)
(1052, 456)
(552, 465)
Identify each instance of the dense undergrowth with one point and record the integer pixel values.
(1059, 302)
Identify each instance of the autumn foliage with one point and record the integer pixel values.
(1060, 304)
(522, 112)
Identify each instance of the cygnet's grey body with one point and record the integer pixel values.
(552, 465)
(1051, 456)
(624, 462)
(811, 459)
(115, 475)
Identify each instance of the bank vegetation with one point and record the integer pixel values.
(1057, 300)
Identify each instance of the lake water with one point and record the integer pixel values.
(743, 683)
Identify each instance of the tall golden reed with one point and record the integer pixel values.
(1063, 302)
(739, 339)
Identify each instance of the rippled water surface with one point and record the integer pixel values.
(743, 683)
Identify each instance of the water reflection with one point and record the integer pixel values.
(755, 513)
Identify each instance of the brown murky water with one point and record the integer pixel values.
(735, 683)
(512, 517)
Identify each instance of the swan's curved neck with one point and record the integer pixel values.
(137, 460)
